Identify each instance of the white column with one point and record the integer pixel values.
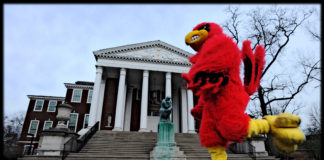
(175, 111)
(95, 97)
(124, 106)
(143, 123)
(120, 97)
(191, 121)
(168, 88)
(128, 110)
(184, 112)
(100, 102)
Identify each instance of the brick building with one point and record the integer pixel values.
(41, 112)
(129, 85)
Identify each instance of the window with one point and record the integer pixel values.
(28, 150)
(48, 124)
(89, 96)
(33, 127)
(76, 95)
(86, 121)
(38, 105)
(73, 122)
(51, 106)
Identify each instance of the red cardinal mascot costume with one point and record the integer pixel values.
(215, 78)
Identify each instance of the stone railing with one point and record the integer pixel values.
(75, 144)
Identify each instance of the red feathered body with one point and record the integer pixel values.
(215, 78)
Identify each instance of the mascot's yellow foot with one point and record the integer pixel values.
(217, 153)
(285, 132)
(283, 128)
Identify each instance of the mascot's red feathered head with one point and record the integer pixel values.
(217, 58)
(201, 33)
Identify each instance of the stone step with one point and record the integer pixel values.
(34, 157)
(116, 150)
(119, 146)
(122, 143)
(121, 140)
(96, 157)
(125, 136)
(230, 157)
(110, 147)
(208, 158)
(115, 138)
(267, 158)
(108, 158)
(122, 154)
(114, 133)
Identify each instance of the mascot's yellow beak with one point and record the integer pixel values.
(196, 38)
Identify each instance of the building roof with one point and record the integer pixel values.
(45, 97)
(79, 85)
(84, 83)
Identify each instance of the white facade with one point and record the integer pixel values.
(152, 67)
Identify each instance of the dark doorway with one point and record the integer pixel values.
(109, 104)
(197, 122)
(136, 110)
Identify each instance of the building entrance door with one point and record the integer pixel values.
(136, 110)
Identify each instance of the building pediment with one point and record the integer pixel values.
(153, 51)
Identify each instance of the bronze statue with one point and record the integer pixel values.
(165, 110)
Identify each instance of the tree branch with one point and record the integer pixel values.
(300, 87)
(233, 23)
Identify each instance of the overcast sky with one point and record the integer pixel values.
(48, 45)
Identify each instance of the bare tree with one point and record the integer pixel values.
(11, 132)
(315, 126)
(232, 24)
(273, 28)
(312, 146)
(313, 28)
(313, 65)
(314, 34)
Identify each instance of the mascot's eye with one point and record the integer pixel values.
(205, 27)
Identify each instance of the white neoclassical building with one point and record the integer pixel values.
(132, 80)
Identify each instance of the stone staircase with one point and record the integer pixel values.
(117, 145)
(138, 145)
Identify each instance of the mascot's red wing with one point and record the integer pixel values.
(253, 66)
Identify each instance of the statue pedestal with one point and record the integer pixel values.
(166, 148)
(258, 143)
(52, 141)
